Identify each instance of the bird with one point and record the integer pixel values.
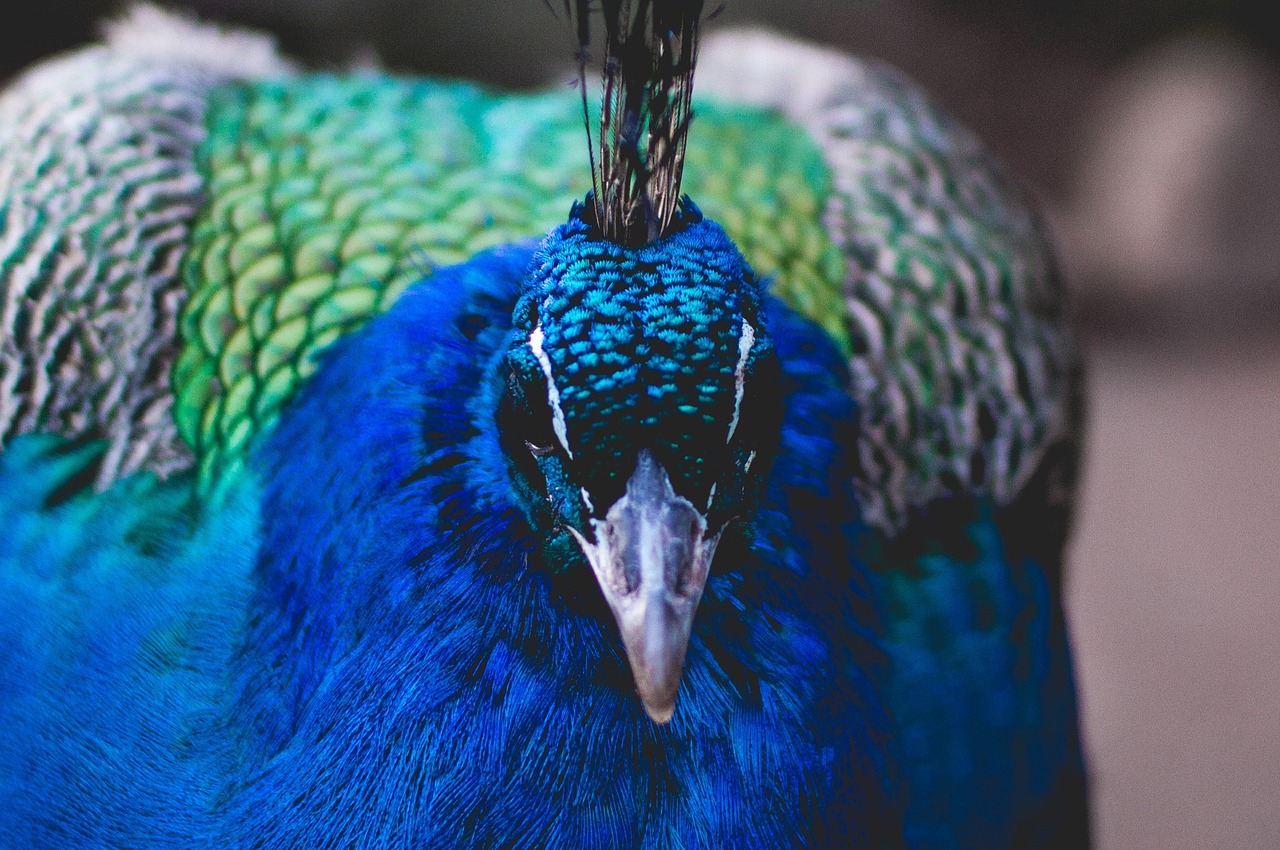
(393, 462)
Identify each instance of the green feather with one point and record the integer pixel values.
(328, 196)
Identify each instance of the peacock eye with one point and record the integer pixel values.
(539, 450)
(533, 424)
(760, 409)
(529, 415)
(525, 429)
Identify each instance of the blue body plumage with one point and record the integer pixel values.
(412, 670)
(584, 542)
(119, 616)
(430, 635)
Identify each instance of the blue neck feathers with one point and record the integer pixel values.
(430, 637)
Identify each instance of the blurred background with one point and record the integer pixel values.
(1150, 132)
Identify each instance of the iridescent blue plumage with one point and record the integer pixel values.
(583, 542)
(650, 334)
(119, 615)
(408, 631)
(982, 690)
(412, 669)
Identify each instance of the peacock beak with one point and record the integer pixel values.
(651, 558)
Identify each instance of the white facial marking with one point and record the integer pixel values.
(711, 495)
(586, 500)
(553, 393)
(751, 458)
(745, 342)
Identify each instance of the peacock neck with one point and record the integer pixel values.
(431, 632)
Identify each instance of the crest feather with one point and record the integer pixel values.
(648, 54)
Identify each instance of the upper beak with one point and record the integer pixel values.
(651, 559)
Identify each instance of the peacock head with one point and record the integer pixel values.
(639, 413)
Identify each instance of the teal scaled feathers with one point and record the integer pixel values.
(646, 345)
(356, 498)
(119, 616)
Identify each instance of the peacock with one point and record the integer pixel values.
(394, 462)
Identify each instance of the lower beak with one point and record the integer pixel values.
(651, 559)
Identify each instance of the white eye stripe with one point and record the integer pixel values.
(745, 342)
(553, 393)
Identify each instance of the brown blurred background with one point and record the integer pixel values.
(1150, 131)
